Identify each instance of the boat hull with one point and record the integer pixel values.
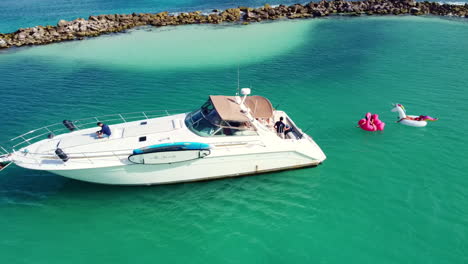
(194, 170)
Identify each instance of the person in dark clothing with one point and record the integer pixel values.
(105, 130)
(279, 126)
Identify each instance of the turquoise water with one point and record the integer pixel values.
(393, 197)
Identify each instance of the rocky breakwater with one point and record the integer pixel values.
(104, 24)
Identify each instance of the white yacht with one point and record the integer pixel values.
(227, 136)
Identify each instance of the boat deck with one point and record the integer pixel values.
(85, 146)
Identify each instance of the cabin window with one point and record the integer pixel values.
(141, 139)
(207, 108)
(206, 122)
(143, 123)
(232, 128)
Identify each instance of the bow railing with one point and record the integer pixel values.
(41, 133)
(4, 158)
(3, 151)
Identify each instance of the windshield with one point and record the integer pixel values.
(206, 122)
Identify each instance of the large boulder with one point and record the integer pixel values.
(3, 43)
(21, 36)
(231, 14)
(112, 17)
(94, 27)
(37, 35)
(262, 14)
(62, 23)
(415, 11)
(145, 18)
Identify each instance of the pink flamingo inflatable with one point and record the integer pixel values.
(371, 122)
(379, 124)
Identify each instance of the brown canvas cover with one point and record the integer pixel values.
(229, 110)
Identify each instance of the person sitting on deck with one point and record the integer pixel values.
(279, 126)
(105, 130)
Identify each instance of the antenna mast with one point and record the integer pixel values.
(238, 80)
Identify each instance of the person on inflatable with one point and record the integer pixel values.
(419, 118)
(415, 121)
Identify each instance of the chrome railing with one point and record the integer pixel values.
(3, 151)
(4, 158)
(84, 123)
(88, 157)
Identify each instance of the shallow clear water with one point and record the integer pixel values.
(393, 197)
(148, 48)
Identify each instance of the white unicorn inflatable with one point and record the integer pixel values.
(411, 120)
